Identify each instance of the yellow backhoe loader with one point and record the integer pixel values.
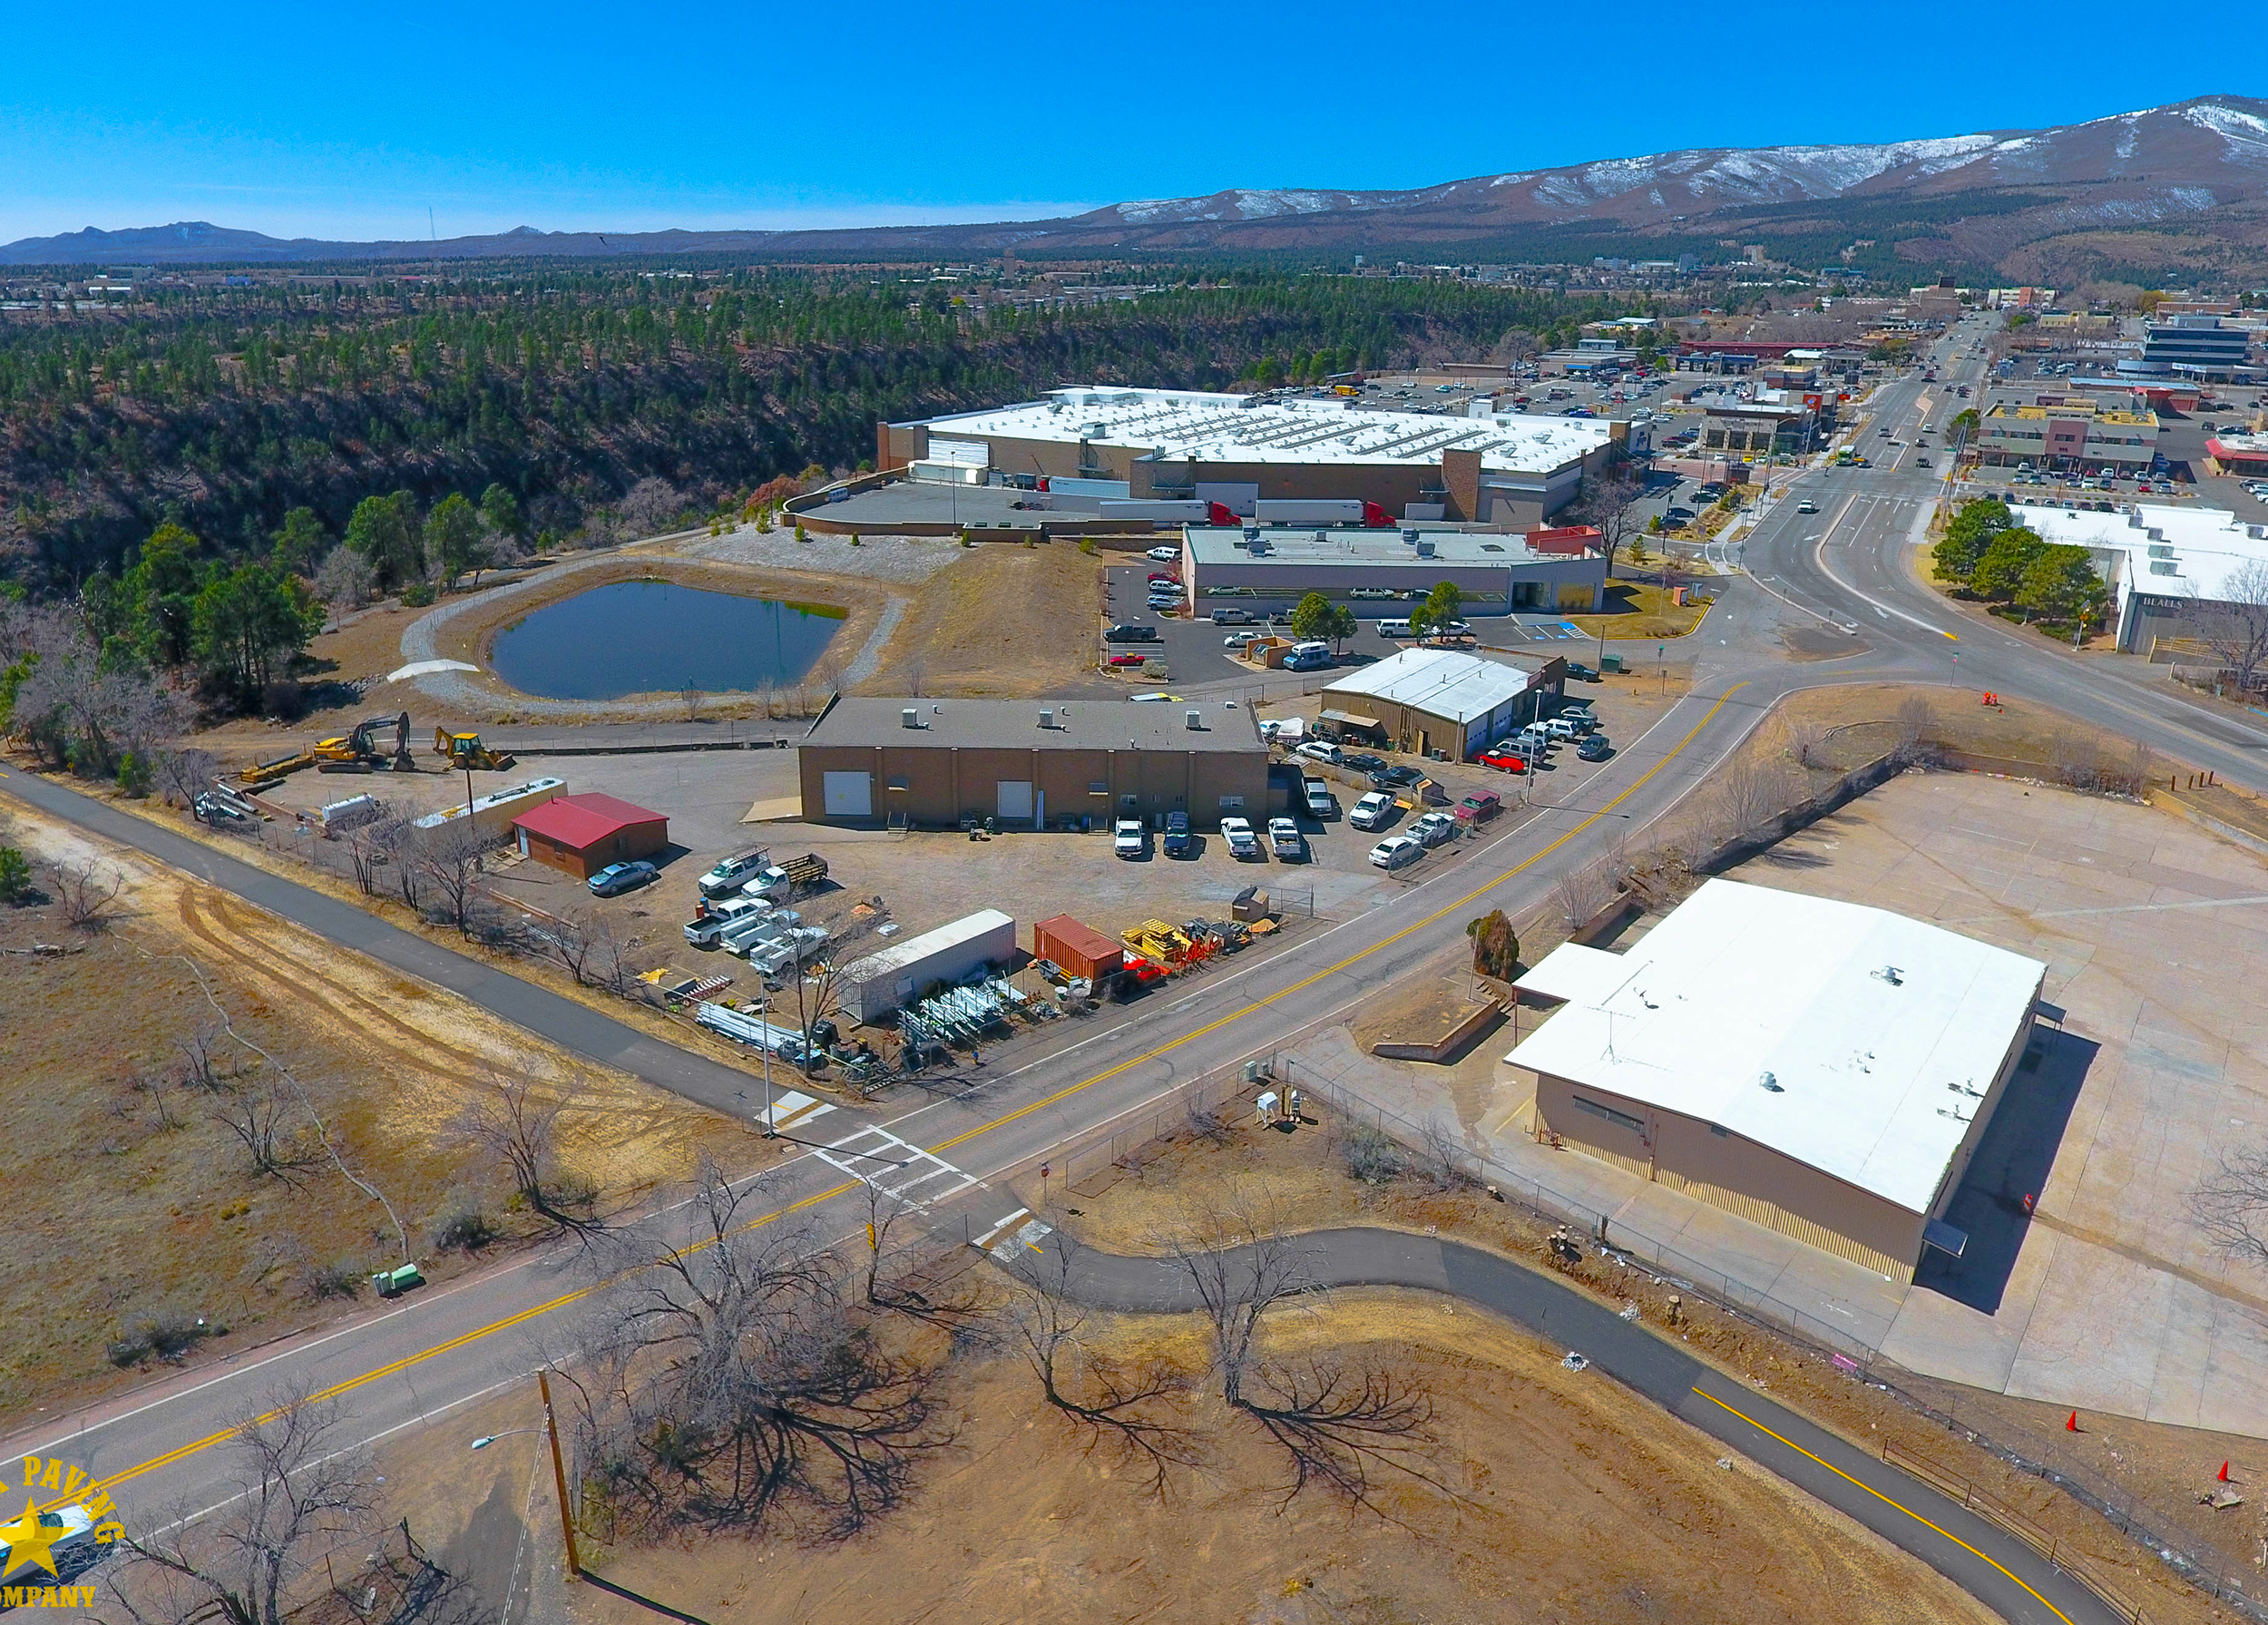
(466, 751)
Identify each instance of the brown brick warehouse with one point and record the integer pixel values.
(1070, 764)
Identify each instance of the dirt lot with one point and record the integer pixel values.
(1004, 622)
(134, 1197)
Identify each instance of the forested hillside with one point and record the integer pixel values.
(226, 409)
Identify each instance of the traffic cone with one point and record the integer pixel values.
(2071, 1423)
(2224, 1472)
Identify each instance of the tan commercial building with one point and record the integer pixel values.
(1510, 470)
(1821, 1068)
(1032, 764)
(1443, 700)
(2068, 432)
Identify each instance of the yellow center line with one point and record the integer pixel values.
(561, 1302)
(1886, 1500)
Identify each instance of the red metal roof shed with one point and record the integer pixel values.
(585, 833)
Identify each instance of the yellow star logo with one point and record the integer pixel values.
(28, 1541)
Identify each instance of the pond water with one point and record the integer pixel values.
(642, 637)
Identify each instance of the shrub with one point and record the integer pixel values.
(333, 1280)
(800, 535)
(1087, 545)
(464, 1230)
(417, 595)
(1370, 1155)
(15, 876)
(166, 1336)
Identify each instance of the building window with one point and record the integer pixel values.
(1129, 802)
(1232, 804)
(1622, 1118)
(1720, 1130)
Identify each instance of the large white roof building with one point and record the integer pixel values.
(2161, 563)
(1820, 1066)
(1165, 442)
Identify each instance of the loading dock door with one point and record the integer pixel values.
(849, 794)
(1012, 798)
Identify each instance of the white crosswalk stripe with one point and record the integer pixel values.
(793, 1110)
(896, 1168)
(1027, 1238)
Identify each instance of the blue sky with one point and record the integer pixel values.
(350, 122)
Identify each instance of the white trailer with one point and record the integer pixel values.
(1166, 512)
(1269, 510)
(878, 984)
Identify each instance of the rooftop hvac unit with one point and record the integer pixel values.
(911, 717)
(1047, 717)
(1194, 719)
(1425, 547)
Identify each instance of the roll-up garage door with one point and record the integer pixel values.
(1013, 797)
(849, 794)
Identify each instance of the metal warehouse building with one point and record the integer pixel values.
(1429, 700)
(1033, 764)
(1821, 1068)
(1270, 570)
(1233, 449)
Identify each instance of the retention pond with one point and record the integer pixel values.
(648, 637)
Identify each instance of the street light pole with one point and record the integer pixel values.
(559, 1476)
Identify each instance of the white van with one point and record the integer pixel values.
(1395, 629)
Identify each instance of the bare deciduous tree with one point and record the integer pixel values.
(1751, 798)
(297, 1494)
(1132, 1409)
(729, 1384)
(2232, 1206)
(515, 1123)
(572, 945)
(184, 774)
(2235, 624)
(87, 892)
(260, 1121)
(819, 986)
(1580, 893)
(452, 857)
(1807, 743)
(1336, 1421)
(1912, 725)
(895, 1277)
(1611, 500)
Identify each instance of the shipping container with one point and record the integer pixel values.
(909, 971)
(1077, 947)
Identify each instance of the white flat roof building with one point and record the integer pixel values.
(2162, 562)
(1823, 1067)
(1495, 468)
(1459, 703)
(1197, 425)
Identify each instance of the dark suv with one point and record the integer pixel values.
(1178, 842)
(1130, 634)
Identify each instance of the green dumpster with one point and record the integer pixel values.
(393, 1283)
(1611, 663)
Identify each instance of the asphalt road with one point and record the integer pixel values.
(392, 1367)
(1994, 1567)
(567, 1024)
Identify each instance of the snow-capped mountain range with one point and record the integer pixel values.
(2040, 204)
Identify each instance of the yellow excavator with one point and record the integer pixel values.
(360, 751)
(466, 751)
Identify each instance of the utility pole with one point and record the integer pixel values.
(559, 1476)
